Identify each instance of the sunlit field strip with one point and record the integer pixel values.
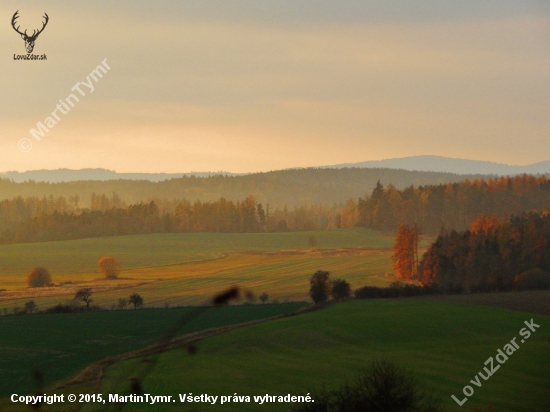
(145, 251)
(283, 277)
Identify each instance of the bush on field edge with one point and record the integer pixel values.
(395, 290)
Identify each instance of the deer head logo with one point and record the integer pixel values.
(29, 40)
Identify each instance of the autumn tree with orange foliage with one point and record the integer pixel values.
(39, 277)
(405, 252)
(491, 256)
(485, 223)
(453, 205)
(109, 267)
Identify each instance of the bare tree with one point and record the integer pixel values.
(85, 296)
(264, 297)
(30, 306)
(250, 296)
(122, 303)
(136, 300)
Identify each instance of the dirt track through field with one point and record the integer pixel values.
(93, 373)
(530, 301)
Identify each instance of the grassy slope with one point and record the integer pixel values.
(282, 277)
(446, 345)
(62, 345)
(188, 268)
(139, 251)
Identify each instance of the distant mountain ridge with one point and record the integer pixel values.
(70, 175)
(425, 163)
(442, 164)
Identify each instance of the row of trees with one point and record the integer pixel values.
(82, 295)
(452, 205)
(136, 219)
(24, 221)
(292, 187)
(85, 295)
(18, 209)
(322, 287)
(492, 255)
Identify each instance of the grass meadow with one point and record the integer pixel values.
(444, 344)
(61, 345)
(188, 268)
(142, 251)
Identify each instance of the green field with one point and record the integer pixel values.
(142, 251)
(188, 268)
(445, 344)
(61, 345)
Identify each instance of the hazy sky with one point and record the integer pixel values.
(255, 85)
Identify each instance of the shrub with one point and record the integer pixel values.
(340, 289)
(250, 296)
(39, 277)
(109, 267)
(395, 290)
(384, 387)
(264, 297)
(65, 308)
(30, 306)
(531, 280)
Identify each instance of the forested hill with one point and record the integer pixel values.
(321, 186)
(68, 175)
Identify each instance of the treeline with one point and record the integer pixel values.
(293, 187)
(15, 211)
(429, 208)
(452, 205)
(491, 255)
(49, 219)
(394, 290)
